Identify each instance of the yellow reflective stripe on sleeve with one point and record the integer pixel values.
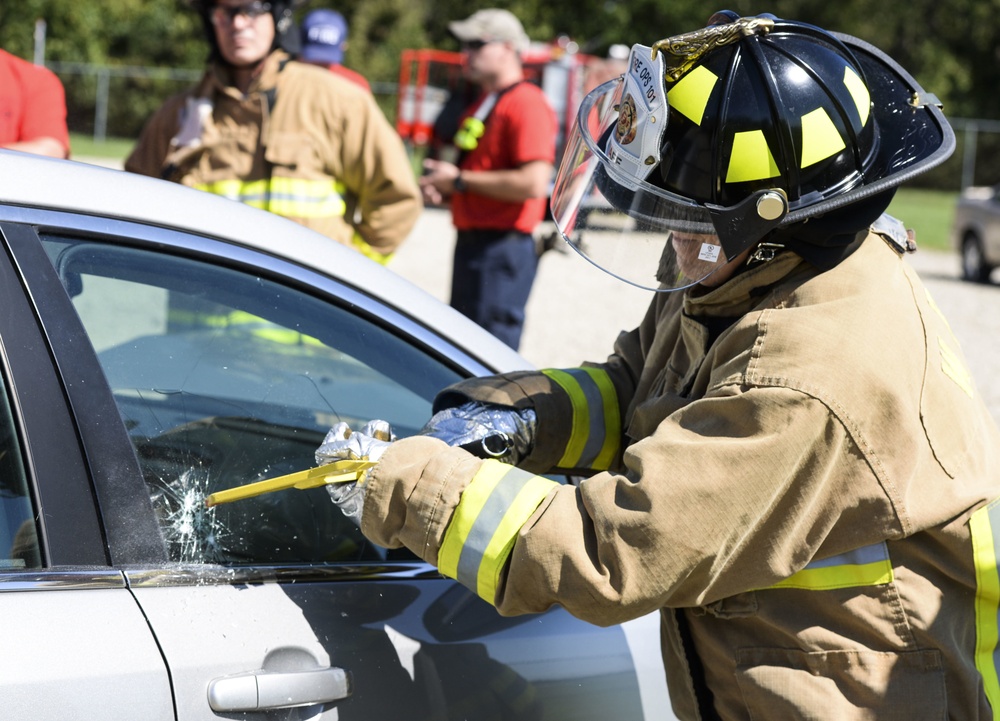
(867, 566)
(359, 244)
(689, 96)
(596, 428)
(751, 158)
(820, 137)
(485, 524)
(985, 554)
(288, 197)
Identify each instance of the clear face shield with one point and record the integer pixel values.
(608, 212)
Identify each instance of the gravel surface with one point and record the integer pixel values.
(576, 310)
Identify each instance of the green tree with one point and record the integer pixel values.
(950, 48)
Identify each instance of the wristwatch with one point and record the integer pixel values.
(459, 183)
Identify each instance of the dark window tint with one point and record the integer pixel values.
(18, 534)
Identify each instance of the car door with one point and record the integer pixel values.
(225, 366)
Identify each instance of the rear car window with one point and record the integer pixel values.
(18, 533)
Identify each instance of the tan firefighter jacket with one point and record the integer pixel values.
(302, 143)
(799, 469)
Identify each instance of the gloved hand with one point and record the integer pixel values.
(486, 430)
(341, 443)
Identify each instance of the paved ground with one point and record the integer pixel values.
(576, 311)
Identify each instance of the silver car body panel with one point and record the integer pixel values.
(92, 657)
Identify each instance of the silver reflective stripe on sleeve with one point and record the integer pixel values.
(596, 435)
(485, 524)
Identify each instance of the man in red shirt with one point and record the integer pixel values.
(324, 40)
(32, 108)
(499, 186)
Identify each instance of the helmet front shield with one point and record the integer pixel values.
(604, 208)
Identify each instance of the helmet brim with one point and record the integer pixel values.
(914, 135)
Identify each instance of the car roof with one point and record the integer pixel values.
(63, 185)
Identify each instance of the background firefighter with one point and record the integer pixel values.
(788, 456)
(283, 136)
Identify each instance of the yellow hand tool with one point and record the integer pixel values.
(337, 472)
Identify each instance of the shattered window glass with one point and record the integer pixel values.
(225, 378)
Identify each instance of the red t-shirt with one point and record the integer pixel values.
(521, 129)
(32, 102)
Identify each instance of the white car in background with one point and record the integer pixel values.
(158, 344)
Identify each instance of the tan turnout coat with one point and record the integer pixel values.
(797, 495)
(297, 122)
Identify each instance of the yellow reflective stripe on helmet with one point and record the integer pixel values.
(983, 526)
(596, 431)
(862, 98)
(288, 197)
(690, 94)
(820, 137)
(485, 524)
(751, 158)
(867, 566)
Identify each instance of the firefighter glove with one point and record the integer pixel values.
(341, 443)
(486, 430)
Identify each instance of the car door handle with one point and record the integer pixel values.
(261, 690)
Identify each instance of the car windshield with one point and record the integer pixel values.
(224, 377)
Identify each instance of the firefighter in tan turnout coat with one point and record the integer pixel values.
(283, 136)
(788, 456)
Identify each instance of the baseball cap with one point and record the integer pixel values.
(492, 24)
(323, 35)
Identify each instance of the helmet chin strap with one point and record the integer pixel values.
(740, 226)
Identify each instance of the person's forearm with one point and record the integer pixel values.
(41, 146)
(529, 181)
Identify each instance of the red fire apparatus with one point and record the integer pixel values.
(432, 89)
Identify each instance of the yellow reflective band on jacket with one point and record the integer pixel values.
(597, 426)
(984, 527)
(867, 566)
(360, 245)
(485, 524)
(288, 197)
(237, 320)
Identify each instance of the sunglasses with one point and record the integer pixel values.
(224, 14)
(474, 44)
